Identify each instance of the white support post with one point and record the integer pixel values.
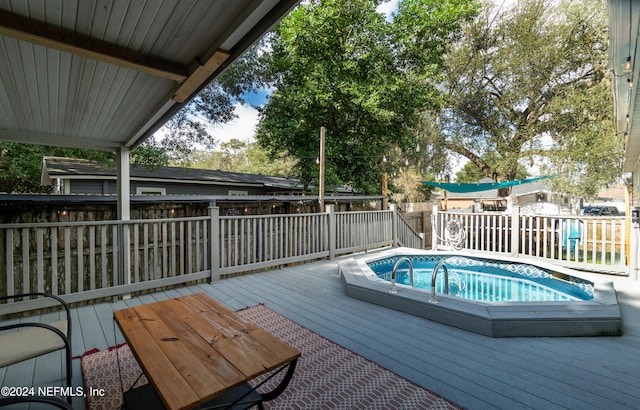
(394, 224)
(515, 230)
(214, 241)
(124, 213)
(321, 160)
(634, 248)
(434, 228)
(331, 231)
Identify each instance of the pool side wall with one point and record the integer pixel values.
(598, 317)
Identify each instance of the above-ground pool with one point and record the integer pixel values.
(497, 297)
(484, 280)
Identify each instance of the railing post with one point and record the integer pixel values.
(394, 224)
(515, 230)
(434, 227)
(214, 241)
(634, 256)
(332, 228)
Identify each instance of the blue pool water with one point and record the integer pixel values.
(487, 280)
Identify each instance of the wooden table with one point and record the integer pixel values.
(193, 349)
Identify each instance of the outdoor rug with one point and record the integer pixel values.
(327, 375)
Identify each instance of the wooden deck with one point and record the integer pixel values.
(473, 371)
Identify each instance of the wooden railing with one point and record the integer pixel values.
(406, 235)
(258, 242)
(361, 231)
(98, 259)
(85, 259)
(583, 242)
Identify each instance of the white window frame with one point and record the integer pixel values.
(145, 190)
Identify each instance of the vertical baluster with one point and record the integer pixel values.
(483, 232)
(258, 241)
(623, 241)
(8, 246)
(205, 244)
(39, 260)
(189, 254)
(603, 242)
(80, 257)
(114, 255)
(612, 243)
(242, 223)
(67, 259)
(54, 260)
(155, 238)
(25, 260)
(164, 250)
(92, 257)
(145, 251)
(173, 248)
(197, 239)
(103, 256)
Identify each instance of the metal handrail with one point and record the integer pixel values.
(433, 281)
(395, 268)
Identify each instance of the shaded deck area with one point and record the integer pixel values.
(471, 370)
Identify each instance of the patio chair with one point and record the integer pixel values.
(571, 234)
(27, 340)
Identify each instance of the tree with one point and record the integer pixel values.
(470, 172)
(530, 85)
(186, 132)
(406, 186)
(340, 64)
(238, 156)
(21, 164)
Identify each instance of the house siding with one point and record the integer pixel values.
(108, 187)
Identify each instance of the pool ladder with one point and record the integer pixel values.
(434, 275)
(393, 273)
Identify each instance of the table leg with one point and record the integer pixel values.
(242, 397)
(283, 384)
(245, 395)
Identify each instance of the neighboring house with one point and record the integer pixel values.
(537, 198)
(80, 176)
(534, 198)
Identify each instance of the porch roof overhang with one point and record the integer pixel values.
(106, 75)
(624, 47)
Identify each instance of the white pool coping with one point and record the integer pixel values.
(599, 316)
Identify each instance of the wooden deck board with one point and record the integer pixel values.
(474, 360)
(474, 371)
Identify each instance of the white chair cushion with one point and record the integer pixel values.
(30, 342)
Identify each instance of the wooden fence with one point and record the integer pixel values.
(584, 242)
(97, 259)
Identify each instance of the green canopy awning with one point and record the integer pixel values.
(477, 186)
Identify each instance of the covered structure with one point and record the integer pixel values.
(105, 75)
(624, 62)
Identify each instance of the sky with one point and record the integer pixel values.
(242, 128)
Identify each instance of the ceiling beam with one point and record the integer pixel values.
(200, 73)
(24, 137)
(46, 35)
